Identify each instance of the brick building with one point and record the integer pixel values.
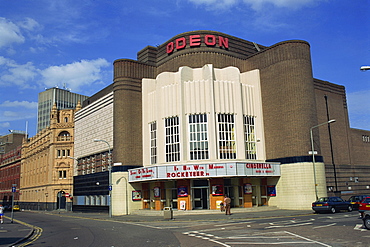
(206, 114)
(10, 166)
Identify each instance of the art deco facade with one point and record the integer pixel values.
(207, 113)
(47, 169)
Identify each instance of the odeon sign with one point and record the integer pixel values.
(234, 169)
(197, 40)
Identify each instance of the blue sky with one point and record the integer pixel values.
(47, 43)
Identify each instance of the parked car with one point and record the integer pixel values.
(355, 200)
(16, 208)
(364, 206)
(331, 204)
(366, 219)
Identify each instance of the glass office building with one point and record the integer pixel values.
(63, 98)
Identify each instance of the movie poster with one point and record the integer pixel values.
(217, 190)
(136, 195)
(182, 191)
(247, 188)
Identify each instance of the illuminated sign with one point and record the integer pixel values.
(233, 169)
(196, 41)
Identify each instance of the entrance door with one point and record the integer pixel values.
(229, 190)
(61, 200)
(255, 196)
(200, 198)
(174, 198)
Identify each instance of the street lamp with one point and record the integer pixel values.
(109, 175)
(313, 152)
(365, 67)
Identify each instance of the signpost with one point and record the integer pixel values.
(14, 189)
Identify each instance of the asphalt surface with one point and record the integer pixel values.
(13, 233)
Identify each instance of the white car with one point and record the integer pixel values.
(366, 219)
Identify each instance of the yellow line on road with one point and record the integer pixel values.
(37, 231)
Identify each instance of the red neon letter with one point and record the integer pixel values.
(210, 40)
(180, 43)
(194, 40)
(170, 47)
(223, 42)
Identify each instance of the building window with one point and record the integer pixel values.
(198, 137)
(250, 138)
(226, 136)
(172, 139)
(153, 143)
(62, 174)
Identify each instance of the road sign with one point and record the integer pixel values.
(66, 195)
(110, 188)
(14, 189)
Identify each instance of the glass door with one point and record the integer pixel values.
(200, 198)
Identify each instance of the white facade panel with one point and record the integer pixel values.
(205, 90)
(94, 121)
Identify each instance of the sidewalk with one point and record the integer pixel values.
(191, 215)
(11, 233)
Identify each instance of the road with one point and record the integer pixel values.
(341, 229)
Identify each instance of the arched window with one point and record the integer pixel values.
(64, 133)
(64, 136)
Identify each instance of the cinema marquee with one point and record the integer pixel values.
(196, 41)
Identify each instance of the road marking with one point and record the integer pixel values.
(333, 224)
(246, 222)
(310, 240)
(220, 243)
(360, 227)
(258, 236)
(302, 224)
(264, 243)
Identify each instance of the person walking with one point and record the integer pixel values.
(1, 213)
(227, 204)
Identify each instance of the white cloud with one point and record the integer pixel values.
(254, 4)
(10, 33)
(29, 24)
(216, 4)
(24, 104)
(16, 115)
(75, 75)
(12, 73)
(23, 110)
(4, 125)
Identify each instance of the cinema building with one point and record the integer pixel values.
(207, 114)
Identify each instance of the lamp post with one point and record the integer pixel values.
(313, 152)
(109, 175)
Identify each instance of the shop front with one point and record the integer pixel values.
(203, 186)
